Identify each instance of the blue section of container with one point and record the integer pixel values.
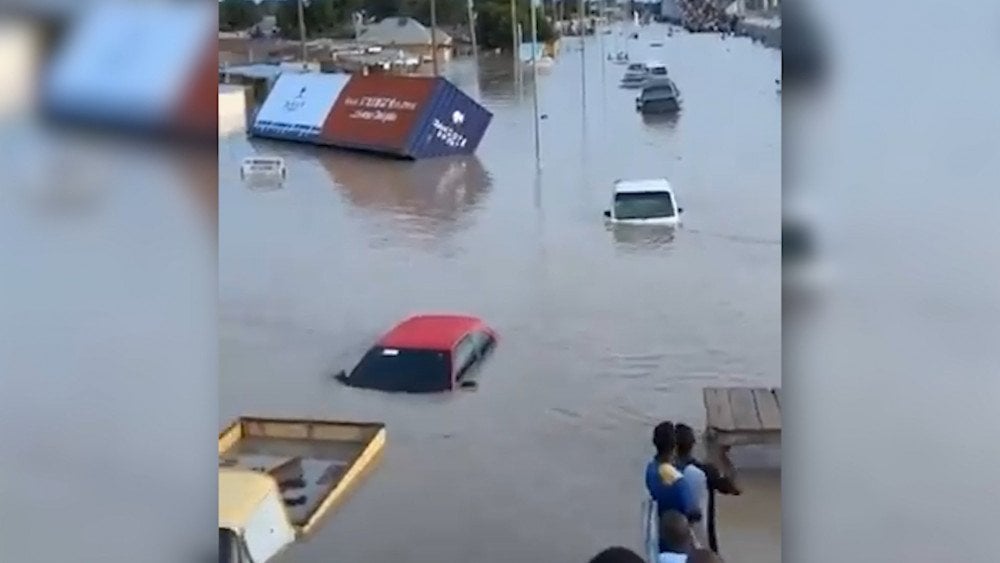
(451, 124)
(286, 132)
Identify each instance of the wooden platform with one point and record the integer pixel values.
(740, 416)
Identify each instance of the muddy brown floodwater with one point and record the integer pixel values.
(603, 332)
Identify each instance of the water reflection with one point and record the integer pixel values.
(431, 193)
(667, 121)
(636, 237)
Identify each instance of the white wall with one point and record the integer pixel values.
(20, 51)
(232, 109)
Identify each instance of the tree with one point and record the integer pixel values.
(237, 15)
(322, 17)
(493, 23)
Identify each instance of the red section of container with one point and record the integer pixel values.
(379, 112)
(198, 109)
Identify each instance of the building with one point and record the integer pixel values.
(408, 35)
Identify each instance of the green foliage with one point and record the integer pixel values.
(323, 18)
(237, 15)
(333, 17)
(493, 23)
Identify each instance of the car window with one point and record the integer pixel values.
(465, 351)
(400, 369)
(483, 341)
(643, 205)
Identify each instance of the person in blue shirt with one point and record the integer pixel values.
(665, 483)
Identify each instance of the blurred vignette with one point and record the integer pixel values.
(891, 280)
(108, 210)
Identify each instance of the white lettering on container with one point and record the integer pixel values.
(448, 135)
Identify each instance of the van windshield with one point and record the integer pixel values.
(401, 369)
(230, 547)
(643, 205)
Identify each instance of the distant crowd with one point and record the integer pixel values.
(683, 489)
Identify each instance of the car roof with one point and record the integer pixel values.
(642, 186)
(240, 493)
(430, 332)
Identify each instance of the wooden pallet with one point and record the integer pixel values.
(740, 416)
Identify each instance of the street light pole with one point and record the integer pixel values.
(534, 82)
(302, 32)
(434, 43)
(472, 30)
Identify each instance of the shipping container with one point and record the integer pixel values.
(298, 105)
(408, 116)
(147, 66)
(404, 116)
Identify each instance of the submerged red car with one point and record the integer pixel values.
(425, 354)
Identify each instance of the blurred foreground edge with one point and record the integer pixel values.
(803, 53)
(145, 70)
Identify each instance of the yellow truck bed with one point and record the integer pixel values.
(316, 463)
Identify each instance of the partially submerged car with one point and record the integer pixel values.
(643, 202)
(657, 97)
(425, 354)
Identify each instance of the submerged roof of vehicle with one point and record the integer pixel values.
(240, 493)
(642, 186)
(430, 332)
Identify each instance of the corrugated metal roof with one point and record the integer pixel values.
(401, 31)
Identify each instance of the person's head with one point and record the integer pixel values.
(675, 532)
(703, 556)
(685, 438)
(663, 438)
(617, 554)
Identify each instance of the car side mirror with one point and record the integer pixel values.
(680, 210)
(607, 213)
(341, 376)
(468, 385)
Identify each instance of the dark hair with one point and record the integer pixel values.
(684, 435)
(663, 437)
(703, 556)
(675, 531)
(617, 554)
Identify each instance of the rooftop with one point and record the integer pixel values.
(401, 31)
(240, 492)
(638, 186)
(430, 332)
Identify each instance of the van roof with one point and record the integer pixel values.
(640, 186)
(240, 493)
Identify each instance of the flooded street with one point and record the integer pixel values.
(603, 331)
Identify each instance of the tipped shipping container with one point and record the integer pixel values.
(410, 117)
(298, 106)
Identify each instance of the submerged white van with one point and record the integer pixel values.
(643, 202)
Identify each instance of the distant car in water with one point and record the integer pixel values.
(643, 202)
(263, 170)
(661, 96)
(425, 354)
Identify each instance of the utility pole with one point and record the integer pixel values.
(472, 31)
(534, 81)
(515, 45)
(434, 42)
(583, 53)
(302, 32)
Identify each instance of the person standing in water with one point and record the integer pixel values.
(665, 483)
(705, 480)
